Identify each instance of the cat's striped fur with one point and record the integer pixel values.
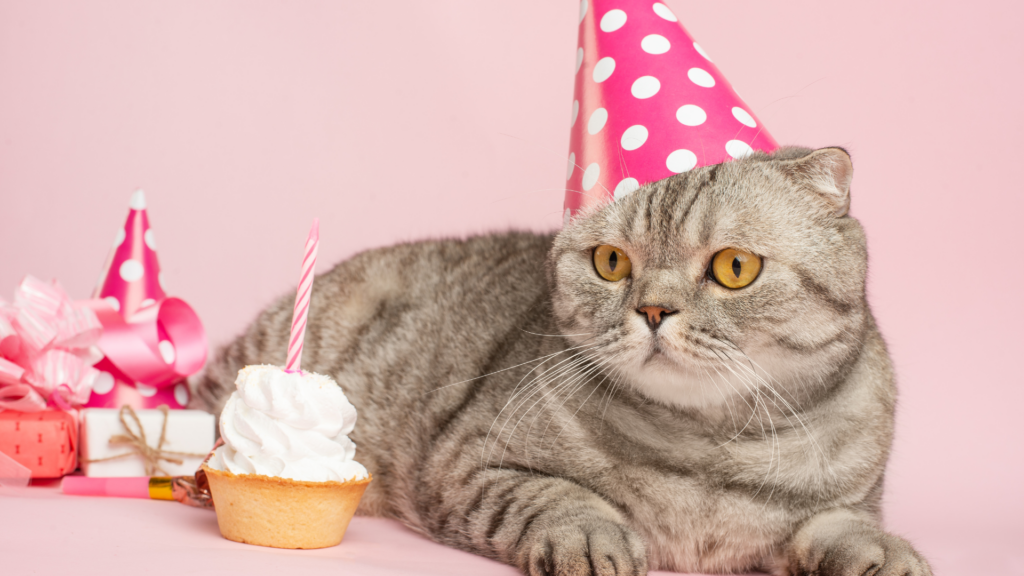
(515, 404)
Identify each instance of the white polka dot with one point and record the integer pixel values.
(701, 52)
(655, 44)
(131, 270)
(114, 303)
(598, 118)
(146, 303)
(566, 217)
(738, 149)
(613, 20)
(119, 238)
(645, 87)
(691, 115)
(575, 112)
(681, 161)
(571, 166)
(663, 11)
(590, 176)
(103, 383)
(145, 389)
(579, 59)
(700, 77)
(634, 137)
(625, 187)
(181, 394)
(166, 351)
(160, 280)
(150, 239)
(138, 200)
(744, 117)
(603, 69)
(583, 10)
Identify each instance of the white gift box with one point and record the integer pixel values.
(188, 432)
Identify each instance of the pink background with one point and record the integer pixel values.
(408, 119)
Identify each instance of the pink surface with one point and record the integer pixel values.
(407, 119)
(103, 536)
(648, 103)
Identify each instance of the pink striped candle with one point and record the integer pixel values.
(302, 295)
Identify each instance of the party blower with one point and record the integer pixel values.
(190, 490)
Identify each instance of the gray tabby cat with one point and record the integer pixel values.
(686, 379)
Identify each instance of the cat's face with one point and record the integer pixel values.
(673, 328)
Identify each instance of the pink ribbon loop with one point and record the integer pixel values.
(49, 344)
(133, 346)
(21, 397)
(46, 344)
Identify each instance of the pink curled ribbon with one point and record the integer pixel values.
(49, 346)
(133, 345)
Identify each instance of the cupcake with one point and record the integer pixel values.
(286, 476)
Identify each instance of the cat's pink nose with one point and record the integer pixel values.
(654, 314)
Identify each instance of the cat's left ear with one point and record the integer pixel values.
(827, 172)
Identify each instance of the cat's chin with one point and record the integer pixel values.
(664, 380)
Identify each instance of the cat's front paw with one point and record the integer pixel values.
(864, 553)
(594, 547)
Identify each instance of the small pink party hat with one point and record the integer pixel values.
(157, 341)
(132, 280)
(648, 104)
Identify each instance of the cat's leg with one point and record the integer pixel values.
(545, 525)
(847, 543)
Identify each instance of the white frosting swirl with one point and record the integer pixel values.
(289, 425)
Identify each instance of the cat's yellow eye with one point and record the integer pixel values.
(735, 268)
(611, 263)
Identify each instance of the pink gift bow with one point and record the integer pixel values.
(48, 345)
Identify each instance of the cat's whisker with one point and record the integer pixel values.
(599, 367)
(580, 379)
(516, 392)
(753, 409)
(574, 383)
(521, 389)
(725, 399)
(556, 335)
(527, 411)
(789, 409)
(539, 358)
(611, 359)
(616, 375)
(570, 388)
(581, 349)
(758, 401)
(820, 453)
(534, 386)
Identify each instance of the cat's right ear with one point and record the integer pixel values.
(828, 173)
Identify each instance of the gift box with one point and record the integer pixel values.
(45, 442)
(128, 442)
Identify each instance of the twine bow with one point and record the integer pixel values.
(136, 441)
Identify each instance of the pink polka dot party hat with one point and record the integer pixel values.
(649, 103)
(131, 279)
(151, 342)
